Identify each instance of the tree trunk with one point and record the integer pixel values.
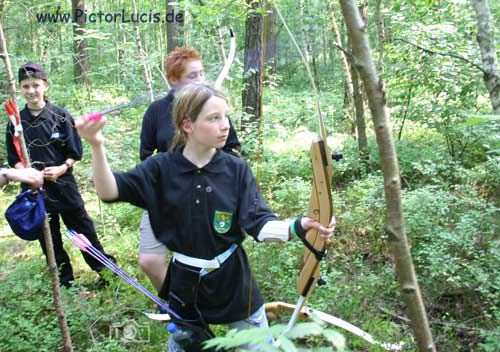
(271, 40)
(486, 41)
(186, 24)
(359, 99)
(359, 108)
(81, 66)
(56, 291)
(142, 56)
(407, 107)
(392, 181)
(307, 46)
(302, 14)
(379, 20)
(347, 68)
(252, 83)
(171, 31)
(163, 42)
(118, 52)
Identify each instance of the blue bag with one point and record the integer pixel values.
(26, 215)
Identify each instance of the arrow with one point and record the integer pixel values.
(80, 241)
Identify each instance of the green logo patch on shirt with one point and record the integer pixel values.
(222, 221)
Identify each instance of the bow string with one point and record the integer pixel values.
(320, 203)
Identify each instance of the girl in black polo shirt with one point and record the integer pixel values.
(184, 66)
(202, 202)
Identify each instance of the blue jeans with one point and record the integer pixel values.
(256, 320)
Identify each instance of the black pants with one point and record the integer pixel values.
(78, 220)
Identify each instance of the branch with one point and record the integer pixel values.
(432, 52)
(229, 62)
(347, 54)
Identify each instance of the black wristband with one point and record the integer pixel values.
(298, 230)
(67, 164)
(301, 234)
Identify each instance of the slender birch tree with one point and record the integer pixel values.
(394, 227)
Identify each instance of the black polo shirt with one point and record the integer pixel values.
(158, 129)
(50, 139)
(200, 212)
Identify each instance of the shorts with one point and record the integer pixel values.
(148, 243)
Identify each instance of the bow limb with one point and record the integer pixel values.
(321, 210)
(277, 308)
(229, 61)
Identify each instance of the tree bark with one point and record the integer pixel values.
(81, 66)
(253, 65)
(355, 91)
(486, 40)
(307, 49)
(271, 39)
(161, 46)
(346, 64)
(379, 20)
(142, 55)
(118, 52)
(394, 216)
(359, 99)
(359, 108)
(51, 259)
(171, 31)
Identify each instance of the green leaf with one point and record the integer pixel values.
(304, 329)
(336, 339)
(286, 345)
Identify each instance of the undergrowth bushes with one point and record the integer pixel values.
(451, 215)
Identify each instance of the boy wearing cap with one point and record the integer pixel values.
(54, 147)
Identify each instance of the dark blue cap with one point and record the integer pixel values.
(26, 215)
(31, 70)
